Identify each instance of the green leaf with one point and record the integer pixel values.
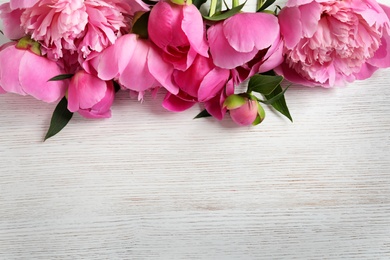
(60, 118)
(266, 5)
(202, 114)
(277, 100)
(61, 77)
(198, 3)
(226, 14)
(140, 26)
(264, 84)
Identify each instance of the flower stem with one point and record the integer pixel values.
(259, 4)
(235, 3)
(213, 7)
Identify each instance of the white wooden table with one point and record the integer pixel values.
(150, 184)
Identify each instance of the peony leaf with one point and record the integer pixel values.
(198, 3)
(204, 113)
(264, 84)
(277, 100)
(140, 26)
(61, 77)
(226, 14)
(265, 5)
(60, 118)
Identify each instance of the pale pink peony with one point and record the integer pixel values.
(19, 74)
(135, 63)
(90, 96)
(332, 42)
(199, 83)
(11, 22)
(179, 31)
(249, 42)
(81, 26)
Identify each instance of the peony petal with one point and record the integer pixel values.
(115, 58)
(309, 20)
(261, 33)
(366, 71)
(292, 76)
(22, 4)
(9, 69)
(212, 83)
(160, 24)
(85, 91)
(176, 104)
(223, 54)
(11, 22)
(193, 27)
(161, 70)
(36, 82)
(291, 34)
(136, 75)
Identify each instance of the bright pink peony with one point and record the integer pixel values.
(249, 40)
(136, 64)
(201, 82)
(332, 42)
(76, 26)
(179, 31)
(19, 74)
(90, 96)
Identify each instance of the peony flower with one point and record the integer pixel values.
(19, 74)
(199, 83)
(136, 64)
(76, 26)
(90, 96)
(247, 40)
(178, 30)
(332, 42)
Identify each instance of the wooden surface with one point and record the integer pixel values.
(149, 184)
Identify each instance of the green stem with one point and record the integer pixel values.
(259, 4)
(213, 7)
(235, 3)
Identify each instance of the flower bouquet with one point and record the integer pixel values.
(79, 53)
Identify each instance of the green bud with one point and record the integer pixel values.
(182, 2)
(234, 101)
(260, 115)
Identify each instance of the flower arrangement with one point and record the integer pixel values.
(79, 53)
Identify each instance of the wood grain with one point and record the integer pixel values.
(149, 184)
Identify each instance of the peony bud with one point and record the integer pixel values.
(244, 110)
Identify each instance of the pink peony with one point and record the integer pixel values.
(76, 26)
(199, 83)
(11, 22)
(90, 96)
(135, 63)
(332, 42)
(247, 40)
(179, 31)
(19, 74)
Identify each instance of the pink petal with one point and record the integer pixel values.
(212, 83)
(193, 27)
(309, 20)
(366, 71)
(36, 82)
(176, 104)
(161, 70)
(136, 75)
(261, 33)
(11, 22)
(115, 58)
(290, 26)
(85, 91)
(22, 4)
(223, 54)
(9, 69)
(160, 24)
(292, 76)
